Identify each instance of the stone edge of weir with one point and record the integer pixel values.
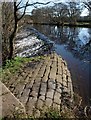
(48, 84)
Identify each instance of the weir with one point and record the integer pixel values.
(42, 84)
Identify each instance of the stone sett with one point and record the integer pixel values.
(43, 84)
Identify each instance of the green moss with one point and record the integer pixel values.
(51, 113)
(13, 66)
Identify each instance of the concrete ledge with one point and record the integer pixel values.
(11, 106)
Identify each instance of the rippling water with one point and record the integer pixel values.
(74, 45)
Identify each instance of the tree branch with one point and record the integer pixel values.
(32, 4)
(23, 11)
(87, 5)
(19, 3)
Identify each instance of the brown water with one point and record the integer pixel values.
(73, 45)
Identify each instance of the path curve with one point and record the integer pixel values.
(43, 84)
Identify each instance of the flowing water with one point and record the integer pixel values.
(74, 45)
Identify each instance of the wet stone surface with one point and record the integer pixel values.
(43, 83)
(29, 42)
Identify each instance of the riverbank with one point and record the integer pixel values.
(42, 82)
(73, 44)
(66, 24)
(43, 87)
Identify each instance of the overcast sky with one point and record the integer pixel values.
(55, 0)
(29, 9)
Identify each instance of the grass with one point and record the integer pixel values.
(13, 66)
(50, 114)
(53, 113)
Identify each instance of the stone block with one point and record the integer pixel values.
(10, 104)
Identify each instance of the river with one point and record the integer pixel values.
(73, 45)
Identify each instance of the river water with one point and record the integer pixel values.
(73, 44)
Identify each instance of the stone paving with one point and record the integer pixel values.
(43, 84)
(10, 105)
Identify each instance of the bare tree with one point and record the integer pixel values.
(7, 27)
(61, 12)
(88, 6)
(43, 15)
(10, 19)
(74, 11)
(15, 17)
(16, 20)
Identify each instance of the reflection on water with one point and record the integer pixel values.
(83, 36)
(74, 45)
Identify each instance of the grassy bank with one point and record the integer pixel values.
(81, 24)
(53, 114)
(74, 110)
(12, 67)
(78, 24)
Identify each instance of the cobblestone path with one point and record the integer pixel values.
(44, 83)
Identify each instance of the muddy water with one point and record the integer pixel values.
(73, 44)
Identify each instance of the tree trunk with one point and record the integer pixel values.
(11, 46)
(11, 39)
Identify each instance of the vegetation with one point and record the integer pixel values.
(59, 14)
(12, 67)
(11, 17)
(88, 5)
(51, 114)
(75, 112)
